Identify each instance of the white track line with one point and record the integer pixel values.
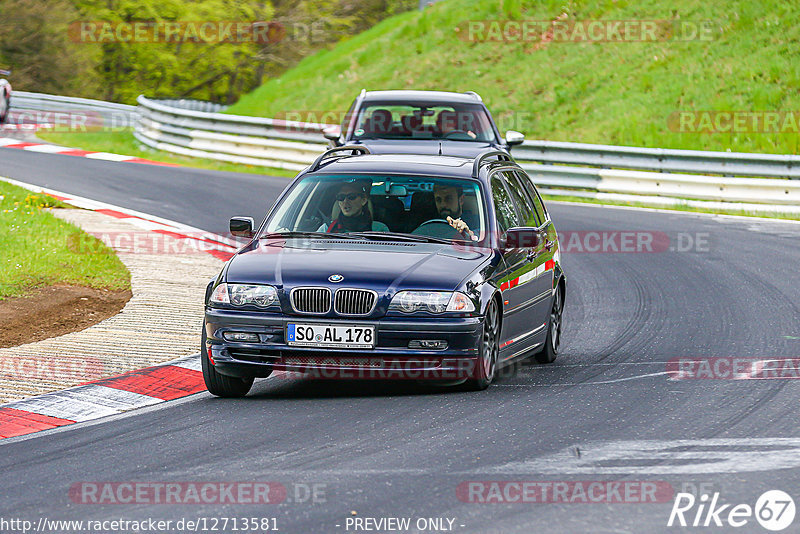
(144, 221)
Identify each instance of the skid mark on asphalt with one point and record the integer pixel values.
(600, 458)
(663, 457)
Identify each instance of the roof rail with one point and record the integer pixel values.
(501, 156)
(353, 148)
(362, 93)
(473, 93)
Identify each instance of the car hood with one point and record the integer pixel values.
(426, 147)
(381, 266)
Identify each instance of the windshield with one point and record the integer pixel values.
(409, 120)
(386, 206)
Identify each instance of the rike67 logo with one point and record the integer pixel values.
(774, 510)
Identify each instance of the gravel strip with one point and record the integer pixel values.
(161, 322)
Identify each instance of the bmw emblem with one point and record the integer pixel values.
(335, 278)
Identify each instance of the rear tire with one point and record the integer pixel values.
(486, 368)
(219, 384)
(551, 345)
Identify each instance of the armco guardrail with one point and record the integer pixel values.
(39, 107)
(768, 191)
(196, 128)
(249, 140)
(661, 159)
(191, 104)
(603, 170)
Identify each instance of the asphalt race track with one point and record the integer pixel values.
(606, 410)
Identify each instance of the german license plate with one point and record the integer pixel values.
(329, 335)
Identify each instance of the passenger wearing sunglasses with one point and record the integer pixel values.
(355, 215)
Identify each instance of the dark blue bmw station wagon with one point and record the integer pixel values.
(389, 266)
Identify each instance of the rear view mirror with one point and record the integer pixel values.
(242, 226)
(514, 138)
(522, 237)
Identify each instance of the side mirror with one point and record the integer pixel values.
(242, 226)
(522, 237)
(514, 138)
(332, 134)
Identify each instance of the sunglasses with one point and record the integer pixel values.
(350, 196)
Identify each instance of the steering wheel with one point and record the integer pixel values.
(456, 132)
(435, 229)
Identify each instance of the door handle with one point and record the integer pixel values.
(549, 244)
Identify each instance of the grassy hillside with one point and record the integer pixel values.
(623, 93)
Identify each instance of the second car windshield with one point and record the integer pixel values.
(441, 208)
(455, 122)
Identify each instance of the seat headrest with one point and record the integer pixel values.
(380, 121)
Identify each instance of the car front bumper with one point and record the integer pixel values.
(391, 358)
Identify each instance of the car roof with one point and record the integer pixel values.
(444, 166)
(426, 96)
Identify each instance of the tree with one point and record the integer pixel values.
(35, 45)
(77, 47)
(175, 65)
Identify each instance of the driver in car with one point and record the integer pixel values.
(450, 122)
(450, 205)
(354, 215)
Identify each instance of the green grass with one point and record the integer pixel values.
(619, 93)
(123, 142)
(37, 252)
(676, 207)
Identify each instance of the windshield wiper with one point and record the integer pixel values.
(271, 235)
(419, 238)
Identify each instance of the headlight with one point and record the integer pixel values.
(243, 294)
(431, 302)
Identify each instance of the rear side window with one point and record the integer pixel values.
(504, 207)
(523, 201)
(538, 205)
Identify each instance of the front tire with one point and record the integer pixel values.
(219, 384)
(486, 368)
(553, 341)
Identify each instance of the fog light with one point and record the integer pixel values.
(242, 337)
(428, 344)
